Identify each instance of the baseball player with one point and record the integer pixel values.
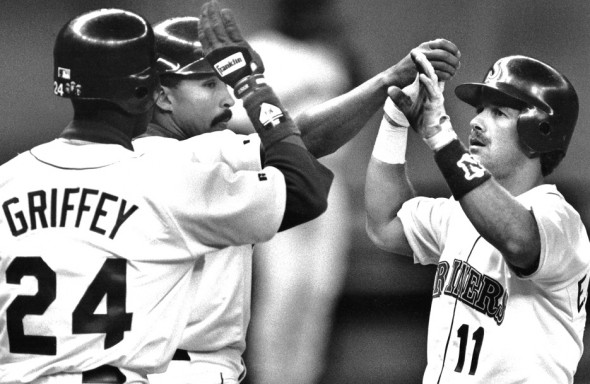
(512, 256)
(101, 245)
(194, 101)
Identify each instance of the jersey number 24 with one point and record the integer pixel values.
(110, 281)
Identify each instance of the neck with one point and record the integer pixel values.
(163, 125)
(527, 178)
(96, 132)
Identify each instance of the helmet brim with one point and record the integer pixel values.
(501, 94)
(201, 66)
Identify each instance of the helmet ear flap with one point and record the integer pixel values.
(536, 130)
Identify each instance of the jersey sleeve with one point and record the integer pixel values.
(237, 151)
(240, 152)
(564, 241)
(424, 222)
(210, 203)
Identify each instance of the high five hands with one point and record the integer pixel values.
(427, 113)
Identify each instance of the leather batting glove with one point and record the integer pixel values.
(433, 123)
(226, 50)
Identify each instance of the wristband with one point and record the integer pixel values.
(397, 117)
(462, 171)
(390, 145)
(270, 120)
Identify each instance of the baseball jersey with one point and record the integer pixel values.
(487, 323)
(100, 246)
(216, 331)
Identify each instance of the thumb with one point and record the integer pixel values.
(400, 99)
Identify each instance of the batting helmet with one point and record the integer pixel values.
(547, 99)
(107, 54)
(178, 47)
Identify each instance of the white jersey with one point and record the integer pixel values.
(216, 330)
(100, 245)
(488, 324)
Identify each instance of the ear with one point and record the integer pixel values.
(164, 100)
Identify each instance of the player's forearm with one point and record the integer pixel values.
(308, 182)
(330, 125)
(386, 189)
(505, 223)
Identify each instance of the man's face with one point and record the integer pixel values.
(201, 105)
(494, 139)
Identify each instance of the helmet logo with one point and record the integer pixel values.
(495, 73)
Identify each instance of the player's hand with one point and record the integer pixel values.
(229, 54)
(443, 55)
(427, 113)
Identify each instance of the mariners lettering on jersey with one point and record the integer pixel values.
(102, 212)
(468, 285)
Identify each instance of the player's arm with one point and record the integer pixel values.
(499, 217)
(307, 181)
(387, 186)
(328, 126)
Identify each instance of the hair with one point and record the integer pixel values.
(170, 81)
(550, 161)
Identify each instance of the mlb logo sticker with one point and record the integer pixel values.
(63, 73)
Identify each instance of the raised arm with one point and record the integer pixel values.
(328, 126)
(387, 186)
(307, 181)
(496, 214)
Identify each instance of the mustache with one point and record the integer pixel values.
(225, 116)
(476, 136)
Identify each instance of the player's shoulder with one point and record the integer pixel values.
(144, 144)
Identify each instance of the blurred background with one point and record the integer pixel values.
(380, 315)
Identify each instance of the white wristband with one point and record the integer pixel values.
(390, 145)
(395, 114)
(444, 137)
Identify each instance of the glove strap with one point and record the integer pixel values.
(249, 84)
(462, 171)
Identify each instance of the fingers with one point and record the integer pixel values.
(212, 25)
(423, 65)
(444, 71)
(231, 26)
(400, 99)
(428, 77)
(445, 45)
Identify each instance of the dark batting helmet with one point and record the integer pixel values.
(178, 47)
(107, 54)
(547, 99)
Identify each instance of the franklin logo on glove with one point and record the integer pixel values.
(230, 64)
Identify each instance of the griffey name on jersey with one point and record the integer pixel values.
(98, 211)
(475, 289)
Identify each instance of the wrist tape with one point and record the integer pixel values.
(444, 136)
(396, 116)
(271, 121)
(462, 171)
(390, 145)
